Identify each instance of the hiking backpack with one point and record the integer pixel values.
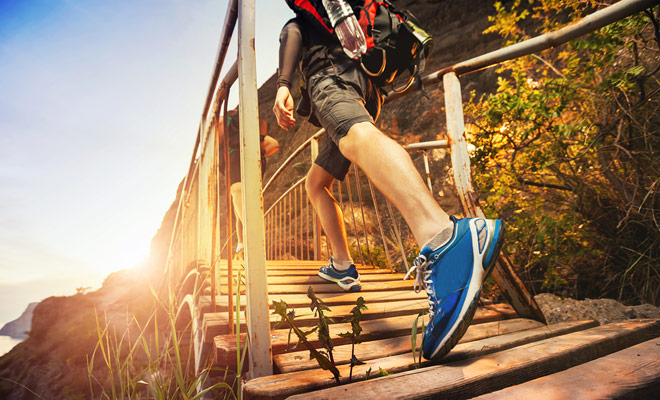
(395, 42)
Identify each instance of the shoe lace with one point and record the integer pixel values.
(423, 280)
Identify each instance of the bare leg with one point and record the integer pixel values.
(237, 201)
(390, 168)
(318, 184)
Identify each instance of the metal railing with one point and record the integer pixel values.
(288, 218)
(198, 241)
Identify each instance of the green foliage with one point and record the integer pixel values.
(324, 357)
(381, 372)
(153, 364)
(417, 356)
(374, 255)
(566, 152)
(354, 335)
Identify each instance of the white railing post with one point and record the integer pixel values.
(503, 273)
(460, 160)
(258, 318)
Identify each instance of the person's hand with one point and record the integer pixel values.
(283, 108)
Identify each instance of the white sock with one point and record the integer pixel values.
(441, 238)
(341, 265)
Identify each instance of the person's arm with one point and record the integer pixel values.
(269, 146)
(290, 50)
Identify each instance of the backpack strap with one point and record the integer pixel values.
(313, 11)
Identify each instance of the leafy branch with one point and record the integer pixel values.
(324, 358)
(354, 335)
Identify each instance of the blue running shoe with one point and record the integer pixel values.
(452, 276)
(348, 280)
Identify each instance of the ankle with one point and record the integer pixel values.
(442, 237)
(341, 265)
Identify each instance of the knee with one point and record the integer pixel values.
(312, 187)
(359, 137)
(316, 183)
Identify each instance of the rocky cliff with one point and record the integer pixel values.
(19, 327)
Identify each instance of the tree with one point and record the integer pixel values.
(568, 151)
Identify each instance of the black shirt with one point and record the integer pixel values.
(304, 44)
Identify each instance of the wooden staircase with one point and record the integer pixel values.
(499, 350)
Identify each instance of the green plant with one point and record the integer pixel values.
(373, 255)
(381, 372)
(324, 358)
(354, 335)
(154, 364)
(417, 360)
(566, 152)
(280, 308)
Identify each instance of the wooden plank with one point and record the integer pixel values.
(311, 279)
(332, 299)
(269, 263)
(225, 345)
(344, 298)
(309, 272)
(465, 378)
(632, 373)
(334, 288)
(299, 360)
(216, 323)
(308, 278)
(271, 266)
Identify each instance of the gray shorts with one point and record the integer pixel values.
(341, 98)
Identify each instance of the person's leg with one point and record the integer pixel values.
(340, 269)
(318, 184)
(456, 255)
(390, 168)
(237, 201)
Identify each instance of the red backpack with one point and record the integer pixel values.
(395, 42)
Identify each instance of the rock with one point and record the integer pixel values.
(19, 328)
(604, 311)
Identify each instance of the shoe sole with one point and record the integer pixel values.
(353, 287)
(466, 314)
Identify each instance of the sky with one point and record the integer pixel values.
(99, 107)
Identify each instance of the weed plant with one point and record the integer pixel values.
(152, 360)
(325, 357)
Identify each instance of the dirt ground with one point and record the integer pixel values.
(604, 311)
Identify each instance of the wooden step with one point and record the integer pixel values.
(465, 378)
(306, 272)
(225, 345)
(311, 279)
(332, 299)
(632, 373)
(216, 323)
(290, 264)
(299, 360)
(378, 286)
(468, 347)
